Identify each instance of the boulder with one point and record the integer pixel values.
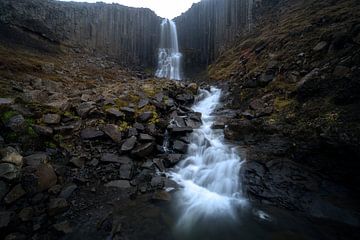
(113, 132)
(110, 158)
(143, 102)
(43, 130)
(145, 116)
(59, 105)
(39, 178)
(179, 146)
(9, 171)
(185, 98)
(68, 191)
(77, 162)
(16, 193)
(143, 150)
(129, 144)
(36, 159)
(157, 182)
(57, 206)
(266, 78)
(17, 123)
(129, 113)
(91, 133)
(126, 171)
(4, 102)
(113, 112)
(84, 108)
(159, 163)
(146, 138)
(10, 155)
(179, 130)
(122, 184)
(52, 118)
(240, 130)
(172, 159)
(161, 196)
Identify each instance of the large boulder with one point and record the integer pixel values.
(10, 155)
(129, 144)
(91, 133)
(39, 178)
(112, 131)
(143, 150)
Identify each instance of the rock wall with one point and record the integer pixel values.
(209, 25)
(128, 34)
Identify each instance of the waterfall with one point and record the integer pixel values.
(169, 58)
(250, 14)
(210, 172)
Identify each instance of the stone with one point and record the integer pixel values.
(129, 113)
(266, 78)
(218, 124)
(185, 98)
(180, 130)
(140, 127)
(77, 162)
(38, 179)
(6, 102)
(52, 118)
(57, 206)
(192, 124)
(10, 155)
(239, 130)
(143, 102)
(256, 104)
(91, 133)
(110, 158)
(15, 236)
(161, 196)
(132, 132)
(36, 96)
(36, 159)
(2, 141)
(9, 171)
(173, 159)
(5, 218)
(145, 138)
(143, 150)
(112, 131)
(26, 214)
(84, 108)
(129, 144)
(320, 46)
(126, 171)
(68, 191)
(341, 71)
(118, 184)
(148, 165)
(113, 112)
(180, 146)
(43, 130)
(159, 164)
(15, 194)
(193, 87)
(157, 182)
(17, 123)
(144, 117)
(179, 121)
(63, 227)
(55, 190)
(4, 189)
(60, 105)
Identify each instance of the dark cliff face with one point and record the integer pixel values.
(128, 34)
(208, 26)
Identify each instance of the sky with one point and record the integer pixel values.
(163, 8)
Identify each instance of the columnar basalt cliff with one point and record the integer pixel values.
(208, 26)
(128, 34)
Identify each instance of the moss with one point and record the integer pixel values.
(123, 126)
(7, 115)
(50, 144)
(280, 104)
(31, 133)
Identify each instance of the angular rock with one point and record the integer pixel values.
(157, 182)
(180, 130)
(60, 105)
(16, 193)
(129, 113)
(43, 130)
(192, 124)
(6, 102)
(57, 206)
(112, 131)
(129, 144)
(320, 46)
(140, 127)
(159, 164)
(143, 102)
(180, 146)
(26, 214)
(52, 118)
(126, 171)
(3, 189)
(63, 227)
(36, 159)
(9, 171)
(185, 98)
(266, 78)
(143, 150)
(84, 108)
(144, 117)
(172, 159)
(110, 158)
(113, 112)
(341, 71)
(17, 123)
(179, 121)
(68, 191)
(118, 184)
(145, 138)
(38, 179)
(77, 162)
(10, 155)
(15, 236)
(91, 133)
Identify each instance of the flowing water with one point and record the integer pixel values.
(169, 57)
(210, 172)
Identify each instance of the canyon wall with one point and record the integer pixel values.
(129, 34)
(209, 26)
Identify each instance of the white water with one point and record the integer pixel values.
(169, 58)
(210, 173)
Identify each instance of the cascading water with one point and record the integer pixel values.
(169, 58)
(210, 173)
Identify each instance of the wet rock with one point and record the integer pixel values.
(16, 193)
(43, 130)
(118, 184)
(10, 155)
(180, 146)
(113, 112)
(38, 179)
(36, 159)
(126, 171)
(239, 130)
(172, 159)
(170, 184)
(148, 165)
(5, 218)
(6, 102)
(185, 98)
(159, 163)
(320, 46)
(192, 124)
(144, 117)
(111, 158)
(77, 162)
(143, 150)
(218, 124)
(157, 182)
(17, 123)
(129, 144)
(3, 189)
(68, 191)
(145, 138)
(57, 206)
(112, 131)
(161, 196)
(63, 227)
(9, 171)
(180, 130)
(26, 214)
(84, 109)
(91, 133)
(193, 87)
(52, 118)
(179, 121)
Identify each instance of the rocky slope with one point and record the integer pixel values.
(294, 87)
(131, 35)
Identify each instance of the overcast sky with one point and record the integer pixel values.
(163, 8)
